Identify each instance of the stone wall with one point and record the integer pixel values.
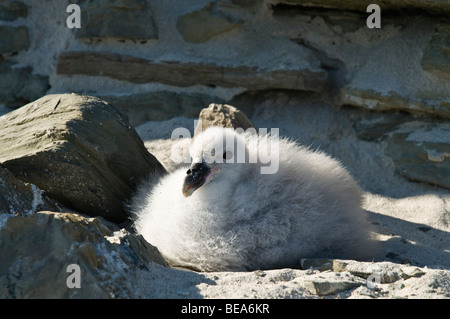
(212, 50)
(158, 59)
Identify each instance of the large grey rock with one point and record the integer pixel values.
(222, 115)
(79, 150)
(183, 74)
(116, 20)
(19, 198)
(36, 251)
(18, 85)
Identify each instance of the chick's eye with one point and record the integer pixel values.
(227, 155)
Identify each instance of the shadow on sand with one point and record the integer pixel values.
(414, 243)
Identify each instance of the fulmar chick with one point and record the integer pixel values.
(225, 213)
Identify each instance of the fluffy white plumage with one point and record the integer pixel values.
(235, 218)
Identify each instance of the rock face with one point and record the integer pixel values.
(412, 83)
(238, 46)
(436, 57)
(159, 105)
(100, 21)
(14, 39)
(107, 256)
(13, 10)
(421, 152)
(79, 150)
(19, 85)
(432, 6)
(138, 70)
(391, 101)
(200, 26)
(418, 146)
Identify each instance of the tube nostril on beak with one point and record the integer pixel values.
(195, 168)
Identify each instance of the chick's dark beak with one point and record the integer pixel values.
(195, 178)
